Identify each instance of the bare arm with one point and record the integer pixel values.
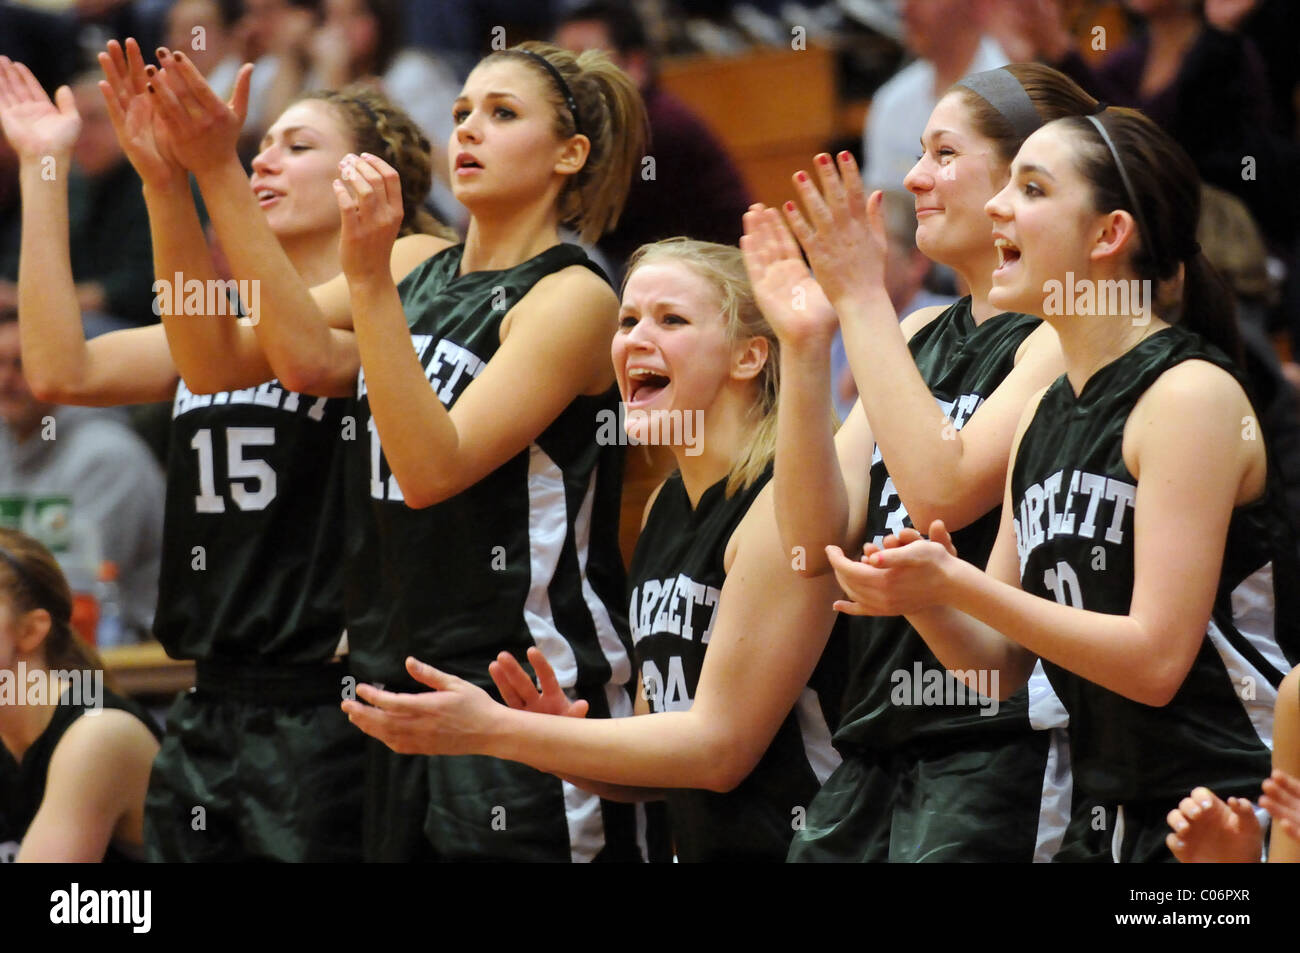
(123, 367)
(1184, 501)
(556, 338)
(940, 471)
(95, 787)
(771, 629)
(300, 330)
(814, 509)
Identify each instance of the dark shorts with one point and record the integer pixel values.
(1002, 801)
(475, 808)
(238, 780)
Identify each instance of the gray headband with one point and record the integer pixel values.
(1148, 236)
(1004, 93)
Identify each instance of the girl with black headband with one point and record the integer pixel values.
(1141, 553)
(932, 771)
(252, 569)
(484, 503)
(71, 787)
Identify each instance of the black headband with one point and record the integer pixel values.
(1001, 90)
(1148, 236)
(565, 91)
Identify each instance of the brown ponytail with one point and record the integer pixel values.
(610, 113)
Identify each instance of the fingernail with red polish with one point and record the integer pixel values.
(824, 158)
(845, 156)
(802, 176)
(789, 206)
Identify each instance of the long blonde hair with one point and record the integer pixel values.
(724, 268)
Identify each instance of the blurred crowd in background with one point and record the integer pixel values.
(1222, 76)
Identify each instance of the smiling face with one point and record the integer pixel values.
(1044, 223)
(293, 175)
(504, 149)
(671, 351)
(951, 181)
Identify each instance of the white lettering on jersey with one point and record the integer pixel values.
(271, 394)
(959, 411)
(667, 607)
(1040, 517)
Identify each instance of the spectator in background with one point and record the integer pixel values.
(209, 32)
(1232, 243)
(112, 262)
(361, 41)
(91, 457)
(270, 34)
(906, 271)
(1205, 87)
(695, 189)
(948, 39)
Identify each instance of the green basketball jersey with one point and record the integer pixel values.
(1074, 516)
(252, 531)
(898, 692)
(526, 556)
(677, 575)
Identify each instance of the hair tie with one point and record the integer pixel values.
(1001, 90)
(1148, 236)
(565, 91)
(1102, 106)
(370, 113)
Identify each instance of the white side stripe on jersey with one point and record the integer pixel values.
(547, 527)
(1055, 803)
(1253, 615)
(817, 748)
(620, 666)
(1247, 611)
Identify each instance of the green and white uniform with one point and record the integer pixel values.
(933, 771)
(259, 762)
(676, 577)
(526, 556)
(1074, 515)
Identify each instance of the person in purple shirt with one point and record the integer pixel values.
(1205, 87)
(696, 189)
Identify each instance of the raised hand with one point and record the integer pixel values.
(131, 110)
(452, 719)
(518, 690)
(369, 192)
(34, 126)
(906, 573)
(786, 291)
(1206, 830)
(843, 233)
(1281, 799)
(203, 130)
